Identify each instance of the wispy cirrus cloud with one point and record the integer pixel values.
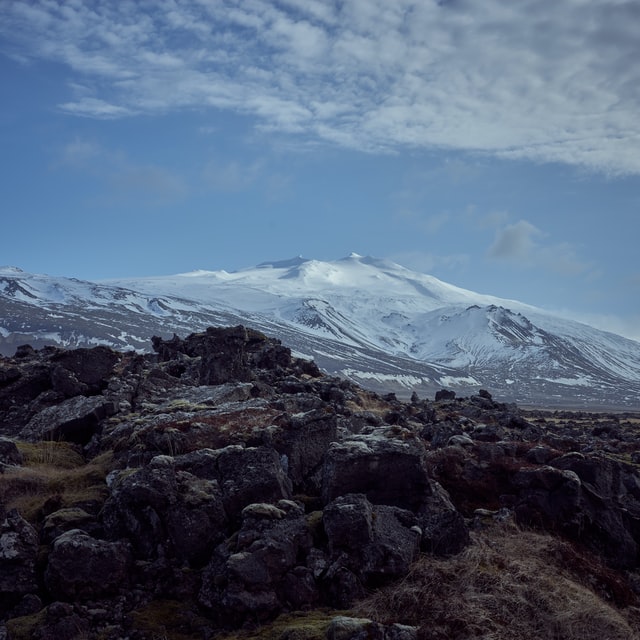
(548, 82)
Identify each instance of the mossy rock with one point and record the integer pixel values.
(308, 625)
(23, 628)
(170, 620)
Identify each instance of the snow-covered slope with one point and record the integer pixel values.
(368, 319)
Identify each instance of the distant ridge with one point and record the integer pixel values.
(364, 318)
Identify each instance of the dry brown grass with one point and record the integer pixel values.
(367, 401)
(53, 471)
(510, 584)
(185, 433)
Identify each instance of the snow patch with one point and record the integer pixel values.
(453, 381)
(404, 380)
(573, 382)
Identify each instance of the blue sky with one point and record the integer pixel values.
(495, 145)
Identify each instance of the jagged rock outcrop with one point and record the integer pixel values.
(74, 420)
(9, 453)
(228, 354)
(388, 465)
(80, 567)
(368, 545)
(589, 497)
(18, 554)
(226, 476)
(261, 570)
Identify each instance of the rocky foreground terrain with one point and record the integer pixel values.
(220, 488)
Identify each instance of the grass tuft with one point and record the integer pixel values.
(517, 584)
(308, 625)
(53, 471)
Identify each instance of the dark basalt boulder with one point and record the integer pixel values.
(444, 529)
(261, 570)
(181, 507)
(9, 452)
(375, 543)
(61, 622)
(388, 470)
(222, 355)
(63, 520)
(610, 505)
(74, 420)
(18, 554)
(250, 474)
(240, 485)
(81, 567)
(590, 498)
(165, 512)
(34, 380)
(302, 440)
(21, 386)
(89, 368)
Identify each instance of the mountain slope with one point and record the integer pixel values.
(371, 320)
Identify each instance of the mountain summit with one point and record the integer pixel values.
(366, 319)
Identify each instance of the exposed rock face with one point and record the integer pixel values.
(588, 497)
(18, 553)
(236, 481)
(368, 545)
(261, 570)
(9, 452)
(34, 380)
(233, 354)
(165, 511)
(74, 420)
(81, 567)
(302, 441)
(388, 469)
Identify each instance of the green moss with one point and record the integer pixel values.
(314, 521)
(184, 405)
(22, 628)
(169, 620)
(308, 625)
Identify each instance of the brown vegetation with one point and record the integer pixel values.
(510, 584)
(55, 472)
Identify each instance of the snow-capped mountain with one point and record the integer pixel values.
(370, 320)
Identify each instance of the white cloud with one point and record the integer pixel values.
(515, 241)
(543, 81)
(95, 108)
(524, 244)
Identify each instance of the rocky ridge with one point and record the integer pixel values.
(220, 483)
